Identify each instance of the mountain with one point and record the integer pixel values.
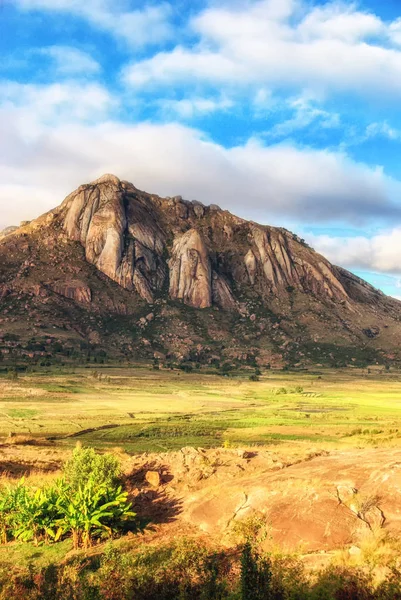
(8, 231)
(116, 272)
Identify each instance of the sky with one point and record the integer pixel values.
(285, 112)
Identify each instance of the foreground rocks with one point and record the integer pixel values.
(311, 501)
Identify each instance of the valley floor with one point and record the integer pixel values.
(317, 454)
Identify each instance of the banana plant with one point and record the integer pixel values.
(11, 499)
(46, 514)
(90, 510)
(38, 515)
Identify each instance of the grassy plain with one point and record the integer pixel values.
(139, 409)
(145, 410)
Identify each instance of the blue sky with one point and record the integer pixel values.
(282, 111)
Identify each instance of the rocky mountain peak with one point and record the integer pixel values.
(204, 256)
(107, 178)
(217, 284)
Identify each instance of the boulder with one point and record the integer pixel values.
(153, 478)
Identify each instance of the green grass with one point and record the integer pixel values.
(22, 555)
(152, 410)
(22, 413)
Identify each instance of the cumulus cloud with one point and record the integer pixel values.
(57, 101)
(395, 32)
(55, 142)
(148, 25)
(71, 61)
(378, 253)
(335, 48)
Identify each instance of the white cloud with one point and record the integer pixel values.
(379, 253)
(28, 110)
(188, 108)
(54, 143)
(395, 32)
(340, 21)
(305, 112)
(148, 25)
(71, 61)
(39, 104)
(181, 65)
(382, 130)
(270, 43)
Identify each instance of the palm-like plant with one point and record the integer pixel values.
(83, 508)
(10, 501)
(38, 514)
(92, 509)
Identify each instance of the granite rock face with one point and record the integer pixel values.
(74, 290)
(116, 268)
(119, 232)
(190, 270)
(149, 244)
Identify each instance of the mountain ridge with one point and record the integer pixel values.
(111, 249)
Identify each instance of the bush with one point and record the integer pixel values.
(85, 462)
(47, 514)
(337, 583)
(92, 510)
(256, 575)
(87, 503)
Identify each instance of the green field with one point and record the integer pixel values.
(142, 410)
(299, 415)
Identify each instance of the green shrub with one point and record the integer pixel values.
(256, 575)
(91, 510)
(84, 508)
(337, 583)
(37, 514)
(85, 462)
(10, 500)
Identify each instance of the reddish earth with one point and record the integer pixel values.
(313, 501)
(319, 503)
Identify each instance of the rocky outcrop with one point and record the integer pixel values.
(75, 290)
(120, 234)
(250, 265)
(7, 231)
(4, 291)
(222, 294)
(149, 244)
(283, 268)
(95, 216)
(190, 270)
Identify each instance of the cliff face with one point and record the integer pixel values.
(145, 243)
(140, 275)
